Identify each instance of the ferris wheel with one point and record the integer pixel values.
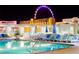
(52, 14)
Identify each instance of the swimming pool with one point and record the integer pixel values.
(27, 47)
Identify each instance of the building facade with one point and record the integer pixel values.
(68, 26)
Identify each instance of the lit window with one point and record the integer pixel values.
(2, 29)
(15, 29)
(27, 29)
(38, 29)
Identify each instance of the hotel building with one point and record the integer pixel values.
(68, 26)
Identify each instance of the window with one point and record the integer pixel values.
(27, 29)
(38, 29)
(2, 29)
(15, 29)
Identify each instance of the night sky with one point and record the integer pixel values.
(25, 12)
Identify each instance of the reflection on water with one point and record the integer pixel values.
(9, 45)
(21, 43)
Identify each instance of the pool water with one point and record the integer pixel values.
(27, 47)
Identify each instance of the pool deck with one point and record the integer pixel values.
(72, 50)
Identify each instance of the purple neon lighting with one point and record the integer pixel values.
(40, 7)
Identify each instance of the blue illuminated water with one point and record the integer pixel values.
(28, 48)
